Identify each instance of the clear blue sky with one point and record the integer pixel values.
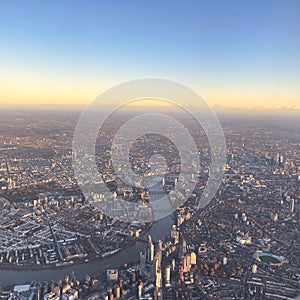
(230, 51)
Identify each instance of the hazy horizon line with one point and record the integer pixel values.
(216, 107)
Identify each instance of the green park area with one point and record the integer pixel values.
(269, 259)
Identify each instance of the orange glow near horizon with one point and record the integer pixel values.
(33, 91)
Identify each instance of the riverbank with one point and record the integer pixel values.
(127, 254)
(76, 262)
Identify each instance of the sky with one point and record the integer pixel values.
(233, 53)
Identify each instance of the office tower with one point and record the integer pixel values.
(292, 205)
(173, 264)
(160, 245)
(186, 263)
(193, 258)
(117, 291)
(133, 276)
(142, 260)
(174, 232)
(112, 274)
(184, 247)
(168, 276)
(254, 269)
(150, 250)
(140, 289)
(281, 159)
(159, 253)
(158, 279)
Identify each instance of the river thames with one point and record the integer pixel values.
(128, 254)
